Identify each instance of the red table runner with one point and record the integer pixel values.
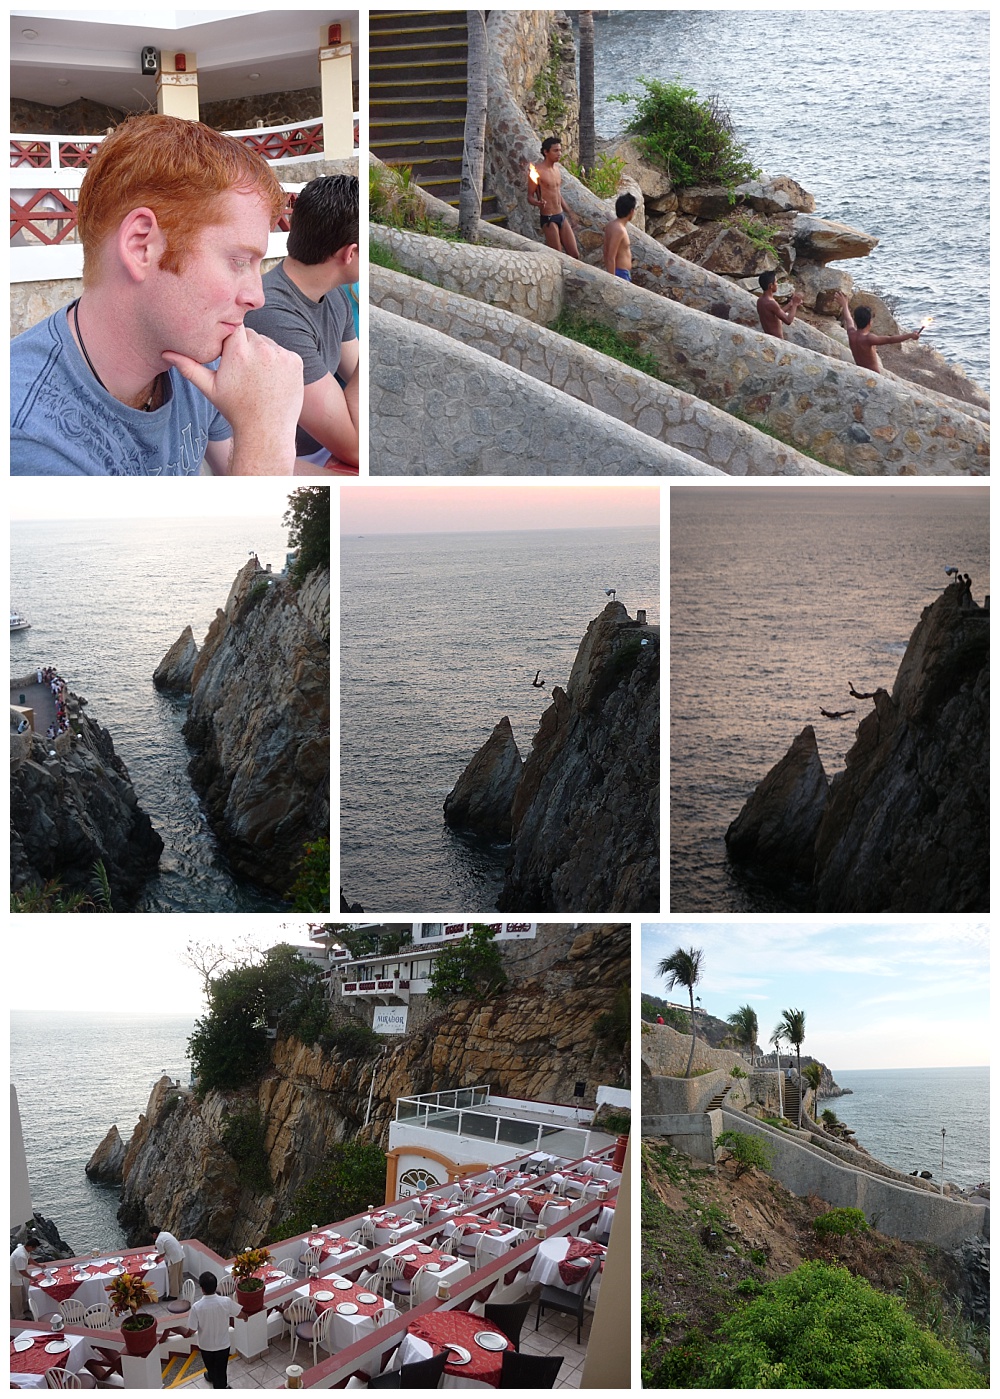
(476, 1224)
(35, 1361)
(422, 1259)
(537, 1202)
(573, 1268)
(341, 1294)
(67, 1282)
(459, 1328)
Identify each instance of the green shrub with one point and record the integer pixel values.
(830, 1118)
(822, 1328)
(737, 1072)
(469, 967)
(746, 1150)
(353, 1040)
(614, 1026)
(308, 521)
(690, 138)
(616, 1122)
(609, 342)
(310, 891)
(604, 178)
(841, 1221)
(351, 1177)
(761, 234)
(243, 1135)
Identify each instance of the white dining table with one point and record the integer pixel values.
(495, 1245)
(384, 1232)
(90, 1292)
(454, 1272)
(545, 1268)
(345, 1330)
(80, 1351)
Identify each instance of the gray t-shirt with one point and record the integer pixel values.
(315, 330)
(62, 423)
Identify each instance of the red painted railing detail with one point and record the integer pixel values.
(29, 218)
(76, 155)
(34, 154)
(279, 145)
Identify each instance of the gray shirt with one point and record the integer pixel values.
(314, 330)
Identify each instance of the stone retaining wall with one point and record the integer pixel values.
(889, 1206)
(668, 415)
(439, 408)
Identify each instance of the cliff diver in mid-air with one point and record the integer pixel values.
(835, 713)
(538, 684)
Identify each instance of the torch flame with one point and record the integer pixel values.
(927, 320)
(532, 174)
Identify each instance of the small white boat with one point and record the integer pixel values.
(18, 622)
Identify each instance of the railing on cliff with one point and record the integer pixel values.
(466, 1112)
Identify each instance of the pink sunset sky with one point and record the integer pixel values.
(418, 508)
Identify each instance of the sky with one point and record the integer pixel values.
(894, 994)
(137, 497)
(125, 963)
(419, 508)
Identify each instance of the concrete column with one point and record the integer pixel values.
(335, 86)
(177, 85)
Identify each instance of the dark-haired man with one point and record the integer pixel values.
(545, 192)
(617, 247)
(861, 340)
(772, 315)
(210, 1317)
(20, 1261)
(306, 309)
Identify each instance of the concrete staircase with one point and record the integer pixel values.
(417, 97)
(790, 1092)
(719, 1098)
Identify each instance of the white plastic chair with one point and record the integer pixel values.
(227, 1286)
(61, 1379)
(288, 1266)
(367, 1231)
(550, 1213)
(482, 1254)
(310, 1258)
(183, 1304)
(72, 1311)
(299, 1311)
(320, 1331)
(391, 1271)
(99, 1318)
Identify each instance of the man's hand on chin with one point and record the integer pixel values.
(258, 389)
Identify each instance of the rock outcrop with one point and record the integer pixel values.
(778, 825)
(178, 1173)
(72, 803)
(905, 827)
(105, 1166)
(175, 670)
(259, 723)
(51, 1244)
(481, 799)
(585, 818)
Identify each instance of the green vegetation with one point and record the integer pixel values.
(603, 338)
(841, 1222)
(469, 967)
(746, 1150)
(396, 200)
(308, 521)
(243, 1134)
(353, 1040)
(793, 1029)
(737, 1072)
(745, 1029)
(547, 90)
(229, 1047)
(604, 178)
(614, 1026)
(761, 234)
(310, 891)
(830, 1118)
(813, 1075)
(382, 257)
(52, 897)
(616, 1121)
(820, 1327)
(257, 591)
(677, 1019)
(683, 968)
(690, 138)
(351, 1177)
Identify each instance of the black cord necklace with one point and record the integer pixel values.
(147, 407)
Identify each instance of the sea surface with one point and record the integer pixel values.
(868, 112)
(898, 1115)
(441, 636)
(106, 599)
(76, 1075)
(778, 599)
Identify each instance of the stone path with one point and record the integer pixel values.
(39, 698)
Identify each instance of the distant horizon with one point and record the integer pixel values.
(513, 529)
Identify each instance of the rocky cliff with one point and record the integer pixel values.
(585, 817)
(905, 827)
(72, 803)
(259, 721)
(177, 1172)
(481, 799)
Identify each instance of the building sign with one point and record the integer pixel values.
(502, 930)
(417, 1175)
(390, 1020)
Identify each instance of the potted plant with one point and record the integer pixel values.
(250, 1289)
(128, 1294)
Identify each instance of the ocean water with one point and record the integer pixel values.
(898, 1115)
(106, 599)
(778, 598)
(76, 1075)
(868, 112)
(441, 635)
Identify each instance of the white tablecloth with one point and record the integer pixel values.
(495, 1245)
(412, 1348)
(607, 1218)
(80, 1350)
(91, 1292)
(455, 1272)
(345, 1330)
(383, 1234)
(545, 1268)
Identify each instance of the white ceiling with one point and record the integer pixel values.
(98, 57)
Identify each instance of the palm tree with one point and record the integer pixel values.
(683, 968)
(470, 194)
(744, 1022)
(587, 91)
(813, 1075)
(793, 1029)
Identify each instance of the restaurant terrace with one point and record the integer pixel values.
(498, 1274)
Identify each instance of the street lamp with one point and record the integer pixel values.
(942, 1160)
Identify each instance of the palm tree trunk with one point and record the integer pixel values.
(587, 137)
(687, 1071)
(470, 195)
(798, 1070)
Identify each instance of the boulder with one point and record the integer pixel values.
(626, 185)
(654, 182)
(481, 799)
(819, 286)
(705, 201)
(725, 250)
(777, 827)
(779, 194)
(883, 321)
(679, 229)
(106, 1163)
(822, 240)
(175, 670)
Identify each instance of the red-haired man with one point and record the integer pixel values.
(152, 369)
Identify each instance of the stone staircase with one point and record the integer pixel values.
(417, 97)
(719, 1098)
(790, 1093)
